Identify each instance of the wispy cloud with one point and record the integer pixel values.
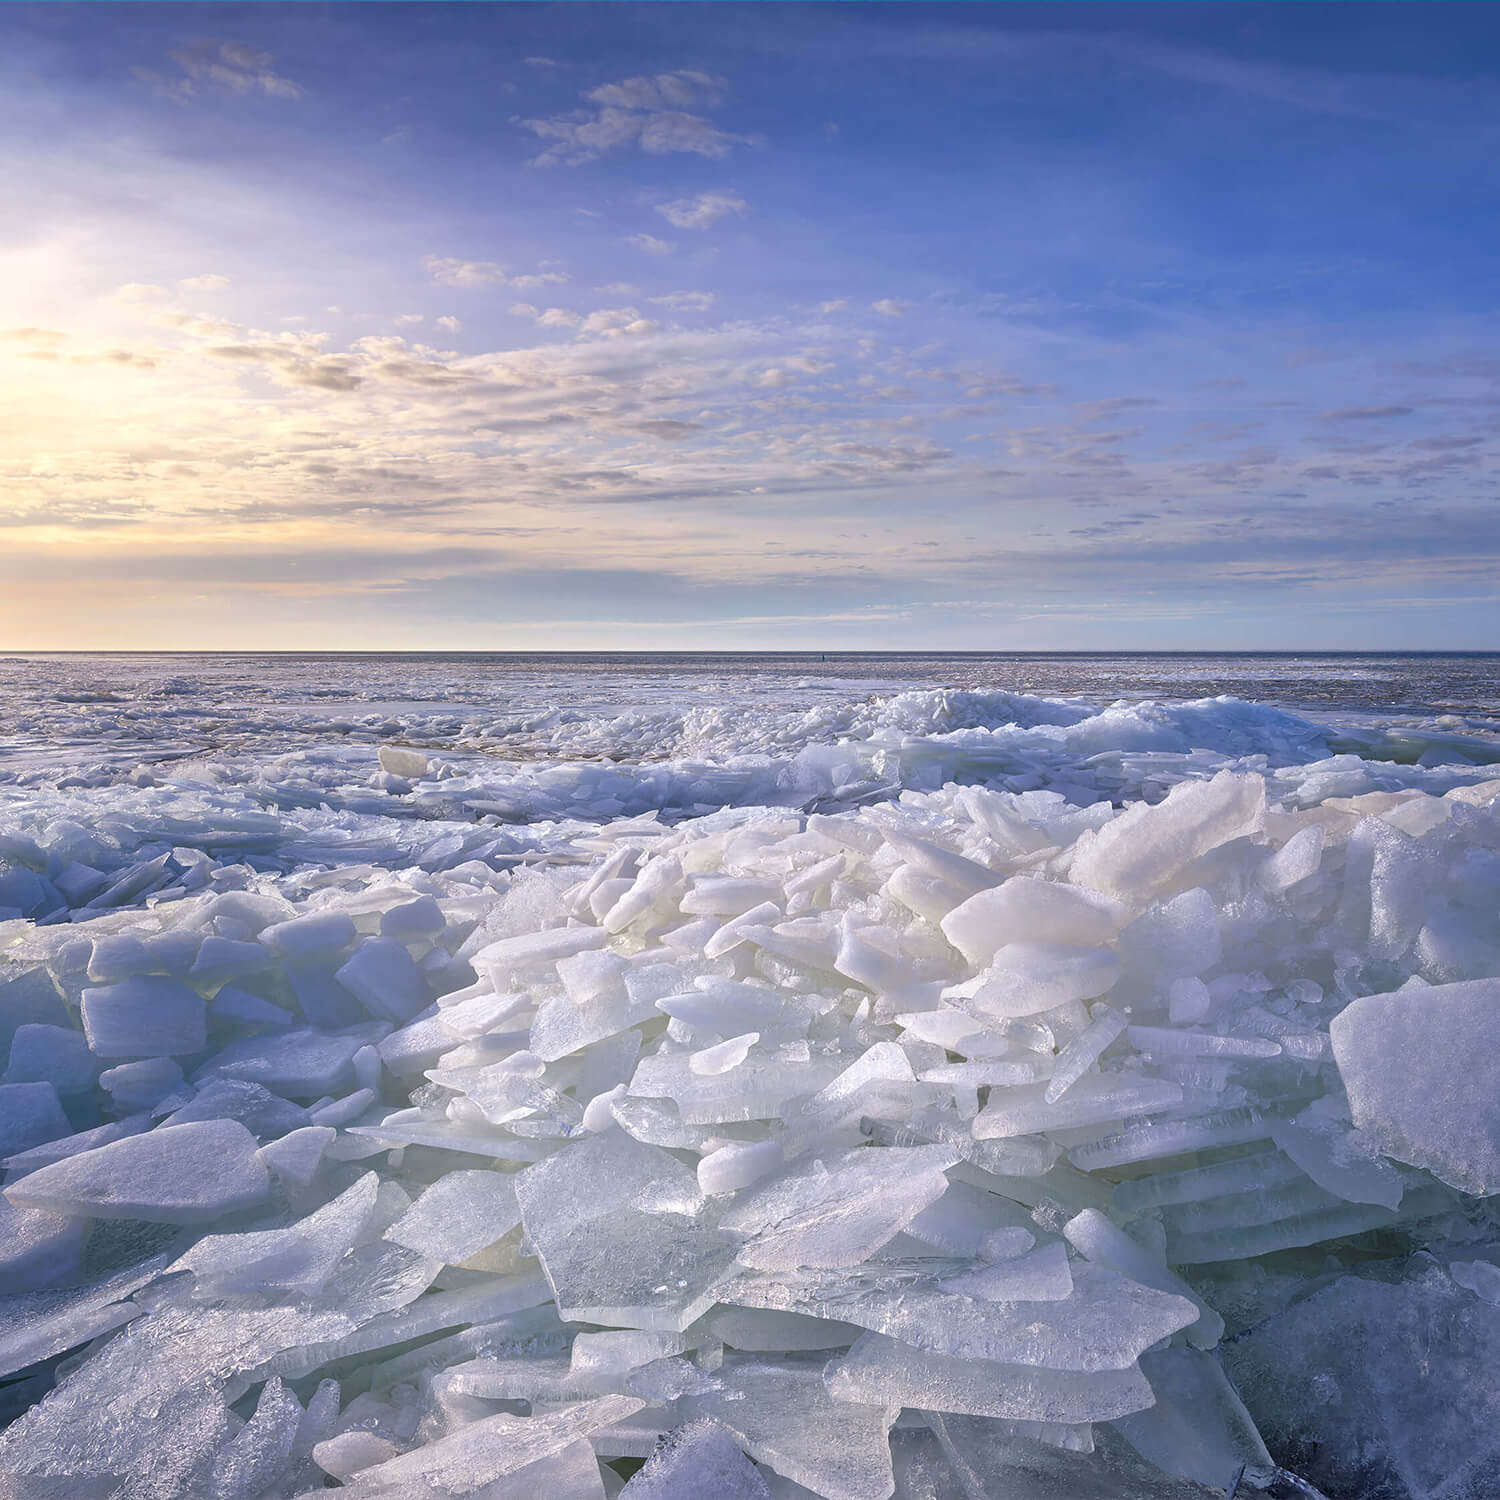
(653, 113)
(207, 64)
(703, 210)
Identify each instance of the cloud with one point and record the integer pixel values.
(837, 305)
(231, 66)
(48, 336)
(685, 301)
(650, 244)
(618, 322)
(449, 322)
(702, 211)
(1367, 413)
(141, 291)
(539, 278)
(464, 273)
(542, 62)
(209, 283)
(649, 112)
(888, 307)
(405, 319)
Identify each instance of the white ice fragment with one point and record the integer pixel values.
(1084, 1051)
(296, 1156)
(880, 1371)
(694, 1463)
(500, 959)
(398, 760)
(176, 1174)
(493, 1447)
(657, 887)
(459, 1215)
(1188, 1000)
(1482, 1277)
(1142, 852)
(1093, 1099)
(1042, 1275)
(1024, 979)
(1171, 1041)
(317, 933)
(837, 1209)
(1297, 860)
(30, 1115)
(297, 1259)
(148, 1016)
(343, 1455)
(1024, 909)
(380, 973)
(1422, 1070)
(1104, 1243)
(738, 1164)
(724, 1056)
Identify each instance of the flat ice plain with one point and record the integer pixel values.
(951, 1079)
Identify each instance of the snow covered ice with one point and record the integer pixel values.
(494, 1084)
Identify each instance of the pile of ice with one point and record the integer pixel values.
(973, 1144)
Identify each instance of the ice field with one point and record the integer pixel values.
(700, 1079)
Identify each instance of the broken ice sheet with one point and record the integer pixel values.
(459, 1215)
(176, 1174)
(583, 1204)
(494, 1447)
(880, 1371)
(1104, 1324)
(781, 1413)
(837, 1209)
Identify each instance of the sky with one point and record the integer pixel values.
(749, 326)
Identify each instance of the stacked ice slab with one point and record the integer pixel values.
(978, 1144)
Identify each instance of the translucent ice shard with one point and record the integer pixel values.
(878, 1371)
(177, 1174)
(780, 1411)
(1422, 1068)
(837, 1209)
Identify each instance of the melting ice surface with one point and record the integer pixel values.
(983, 1077)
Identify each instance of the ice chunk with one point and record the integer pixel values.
(1106, 1244)
(1084, 1051)
(37, 1249)
(143, 1084)
(1197, 1427)
(723, 1056)
(1093, 1099)
(1025, 978)
(318, 932)
(296, 1157)
(148, 1016)
(1144, 850)
(738, 1164)
(1422, 1070)
(694, 1463)
(381, 974)
(176, 1174)
(1103, 1325)
(459, 1215)
(260, 1454)
(299, 1258)
(30, 1114)
(878, 1371)
(586, 1201)
(399, 760)
(302, 1064)
(1176, 940)
(781, 1413)
(836, 1209)
(1029, 910)
(51, 1054)
(493, 1447)
(420, 918)
(1371, 1388)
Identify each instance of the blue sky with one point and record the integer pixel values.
(737, 326)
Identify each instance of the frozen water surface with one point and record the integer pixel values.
(865, 1077)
